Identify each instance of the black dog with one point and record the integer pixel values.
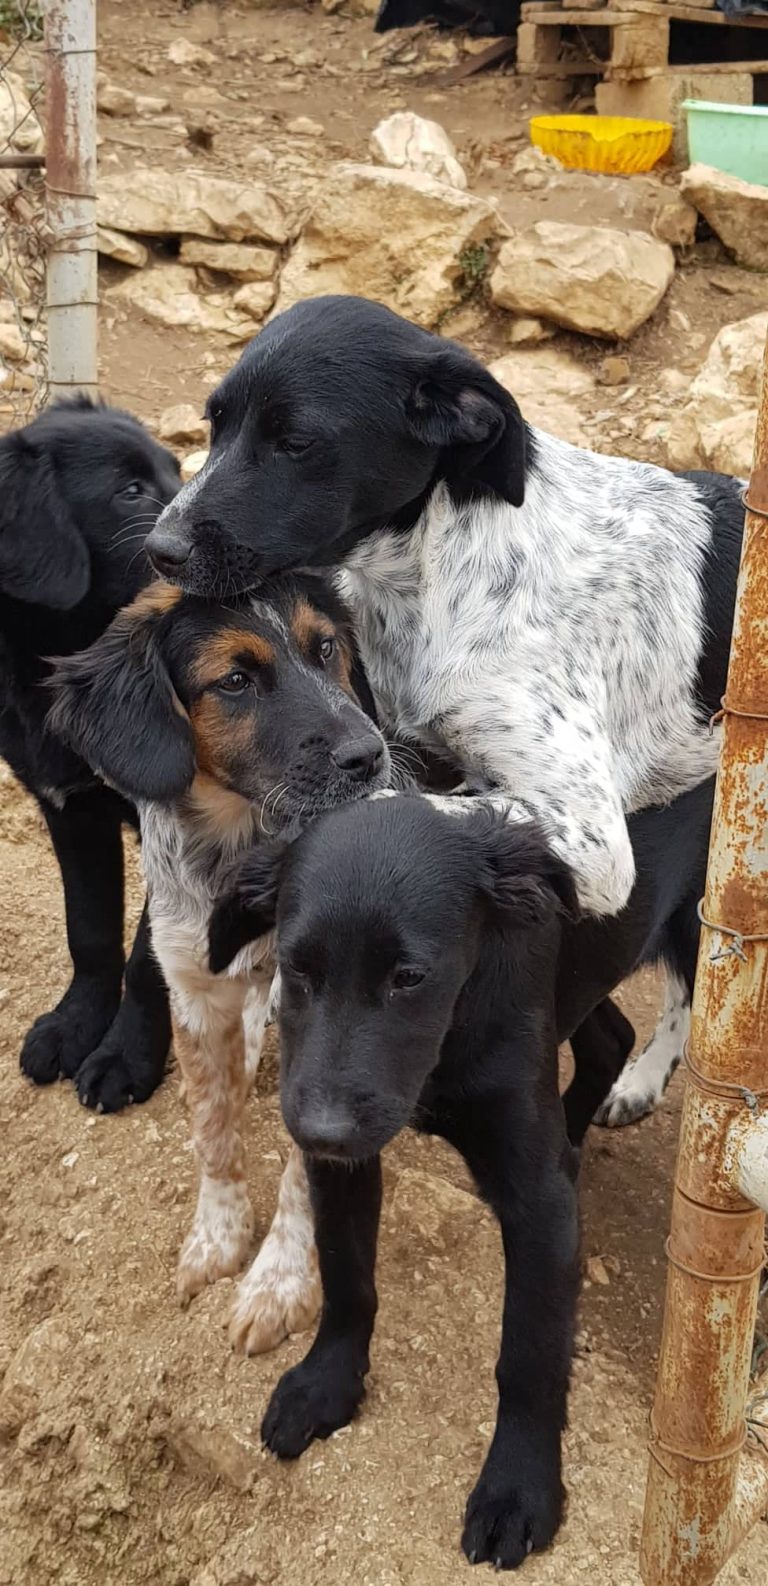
(427, 976)
(79, 488)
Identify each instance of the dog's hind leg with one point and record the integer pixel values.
(281, 1292)
(600, 1046)
(642, 1083)
(210, 1047)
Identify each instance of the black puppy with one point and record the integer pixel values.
(427, 976)
(79, 488)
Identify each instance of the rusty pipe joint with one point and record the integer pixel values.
(746, 1156)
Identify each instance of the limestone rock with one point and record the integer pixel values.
(675, 221)
(191, 464)
(37, 1364)
(528, 332)
(255, 298)
(158, 203)
(183, 52)
(12, 344)
(182, 425)
(548, 385)
(400, 237)
(588, 278)
(737, 211)
(168, 293)
(716, 426)
(124, 249)
(215, 1451)
(242, 260)
(409, 142)
(20, 129)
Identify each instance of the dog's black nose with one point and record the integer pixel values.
(324, 1131)
(361, 757)
(167, 551)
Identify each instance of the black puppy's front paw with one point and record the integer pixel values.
(58, 1041)
(127, 1067)
(509, 1518)
(309, 1402)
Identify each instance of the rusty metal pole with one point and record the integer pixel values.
(705, 1487)
(70, 156)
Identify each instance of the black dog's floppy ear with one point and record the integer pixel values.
(44, 559)
(116, 706)
(456, 404)
(247, 908)
(521, 877)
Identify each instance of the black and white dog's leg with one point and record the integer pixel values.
(87, 842)
(642, 1083)
(517, 1504)
(324, 1391)
(129, 1063)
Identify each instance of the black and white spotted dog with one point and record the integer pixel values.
(558, 620)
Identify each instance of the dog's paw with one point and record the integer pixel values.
(274, 1300)
(311, 1401)
(637, 1092)
(129, 1063)
(508, 1519)
(218, 1241)
(58, 1041)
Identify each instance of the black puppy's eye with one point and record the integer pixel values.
(292, 446)
(327, 647)
(234, 683)
(405, 979)
(132, 491)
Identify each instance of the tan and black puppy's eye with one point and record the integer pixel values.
(234, 683)
(327, 649)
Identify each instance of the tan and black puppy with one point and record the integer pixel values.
(223, 722)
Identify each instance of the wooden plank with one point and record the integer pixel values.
(497, 52)
(604, 18)
(611, 17)
(686, 13)
(705, 68)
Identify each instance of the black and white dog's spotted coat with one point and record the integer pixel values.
(558, 620)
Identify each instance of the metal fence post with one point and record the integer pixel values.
(70, 43)
(705, 1488)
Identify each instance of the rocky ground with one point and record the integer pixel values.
(129, 1446)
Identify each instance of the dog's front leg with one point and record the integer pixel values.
(209, 1045)
(280, 1293)
(517, 1504)
(324, 1391)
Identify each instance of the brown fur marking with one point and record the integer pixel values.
(217, 736)
(154, 601)
(221, 654)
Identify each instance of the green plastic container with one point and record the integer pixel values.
(732, 138)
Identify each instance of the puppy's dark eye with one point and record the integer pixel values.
(132, 491)
(293, 446)
(406, 979)
(327, 647)
(234, 683)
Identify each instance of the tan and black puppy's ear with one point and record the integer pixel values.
(247, 907)
(116, 706)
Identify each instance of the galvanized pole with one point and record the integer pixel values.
(70, 42)
(706, 1488)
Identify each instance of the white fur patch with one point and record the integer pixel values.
(281, 1292)
(644, 1079)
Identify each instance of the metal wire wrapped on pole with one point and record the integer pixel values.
(704, 1490)
(70, 183)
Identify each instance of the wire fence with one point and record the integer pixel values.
(23, 233)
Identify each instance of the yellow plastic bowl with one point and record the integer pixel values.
(615, 145)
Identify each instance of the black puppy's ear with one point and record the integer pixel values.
(456, 404)
(116, 706)
(247, 908)
(521, 877)
(44, 559)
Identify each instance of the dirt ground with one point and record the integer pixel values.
(129, 1448)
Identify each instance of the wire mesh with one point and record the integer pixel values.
(23, 362)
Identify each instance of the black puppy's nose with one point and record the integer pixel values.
(167, 551)
(324, 1131)
(361, 757)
